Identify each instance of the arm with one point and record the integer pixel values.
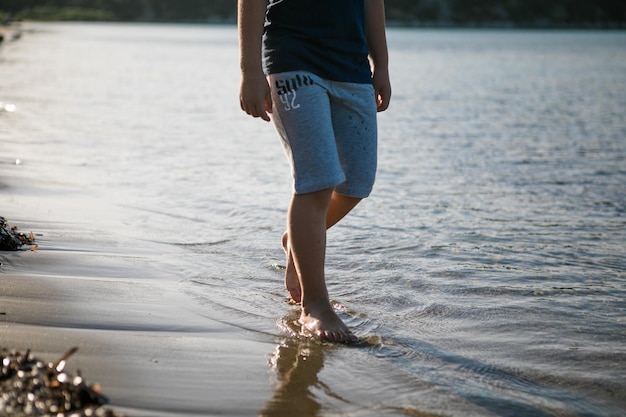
(379, 57)
(254, 95)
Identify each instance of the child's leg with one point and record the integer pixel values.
(340, 205)
(307, 123)
(354, 127)
(307, 242)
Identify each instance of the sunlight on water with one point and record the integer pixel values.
(485, 275)
(8, 107)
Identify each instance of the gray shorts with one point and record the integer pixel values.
(328, 131)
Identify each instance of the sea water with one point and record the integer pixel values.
(486, 271)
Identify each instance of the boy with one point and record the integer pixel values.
(306, 63)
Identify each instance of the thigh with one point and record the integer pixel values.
(354, 124)
(302, 116)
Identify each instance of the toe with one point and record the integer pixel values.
(331, 336)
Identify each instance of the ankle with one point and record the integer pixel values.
(316, 307)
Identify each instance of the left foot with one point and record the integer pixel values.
(292, 282)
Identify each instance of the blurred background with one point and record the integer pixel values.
(492, 13)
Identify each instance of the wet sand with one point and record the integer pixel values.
(137, 335)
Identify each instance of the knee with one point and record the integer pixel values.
(314, 200)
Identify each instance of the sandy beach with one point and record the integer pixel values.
(116, 302)
(114, 298)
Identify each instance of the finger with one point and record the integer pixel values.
(261, 112)
(255, 111)
(384, 99)
(269, 104)
(382, 105)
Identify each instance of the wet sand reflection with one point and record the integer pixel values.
(296, 363)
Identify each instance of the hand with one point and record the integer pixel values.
(382, 89)
(255, 96)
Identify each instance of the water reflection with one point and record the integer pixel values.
(297, 364)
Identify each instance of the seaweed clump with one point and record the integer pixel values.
(11, 238)
(30, 387)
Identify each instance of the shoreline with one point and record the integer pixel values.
(113, 296)
(406, 23)
(137, 335)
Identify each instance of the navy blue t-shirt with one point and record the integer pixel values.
(325, 37)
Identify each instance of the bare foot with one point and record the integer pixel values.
(326, 325)
(292, 283)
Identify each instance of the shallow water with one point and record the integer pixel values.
(486, 272)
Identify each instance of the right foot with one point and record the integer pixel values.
(292, 282)
(326, 325)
